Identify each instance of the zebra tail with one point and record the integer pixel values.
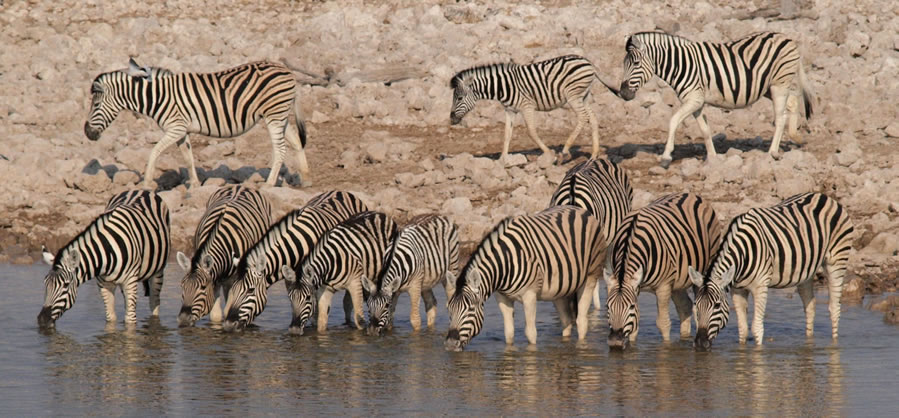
(301, 124)
(611, 88)
(808, 96)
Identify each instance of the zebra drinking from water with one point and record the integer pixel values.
(126, 245)
(222, 105)
(352, 251)
(730, 75)
(602, 188)
(286, 243)
(776, 247)
(651, 251)
(236, 217)
(540, 86)
(424, 253)
(552, 255)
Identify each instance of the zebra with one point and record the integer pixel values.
(730, 75)
(551, 255)
(125, 245)
(424, 253)
(651, 251)
(224, 104)
(603, 189)
(540, 86)
(287, 242)
(236, 217)
(352, 251)
(775, 247)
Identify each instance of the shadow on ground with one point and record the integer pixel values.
(170, 179)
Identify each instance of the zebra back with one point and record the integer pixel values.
(599, 186)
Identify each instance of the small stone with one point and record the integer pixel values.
(256, 178)
(892, 317)
(657, 170)
(126, 178)
(513, 160)
(689, 167)
(376, 152)
(854, 289)
(457, 206)
(892, 130)
(545, 161)
(427, 164)
(319, 117)
(214, 181)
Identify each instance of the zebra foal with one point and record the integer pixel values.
(126, 245)
(552, 255)
(730, 75)
(776, 247)
(236, 217)
(224, 104)
(651, 251)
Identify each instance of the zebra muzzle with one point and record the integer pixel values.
(296, 326)
(452, 342)
(617, 340)
(702, 341)
(45, 318)
(626, 93)
(185, 318)
(91, 133)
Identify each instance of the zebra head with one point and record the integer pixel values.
(196, 290)
(466, 311)
(464, 98)
(60, 286)
(302, 294)
(621, 305)
(711, 307)
(109, 95)
(248, 294)
(382, 294)
(638, 68)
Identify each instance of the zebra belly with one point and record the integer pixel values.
(220, 132)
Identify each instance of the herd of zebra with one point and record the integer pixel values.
(674, 246)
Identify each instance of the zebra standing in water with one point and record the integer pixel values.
(552, 255)
(730, 75)
(222, 105)
(424, 253)
(780, 246)
(603, 189)
(651, 251)
(236, 217)
(352, 251)
(126, 245)
(286, 243)
(540, 86)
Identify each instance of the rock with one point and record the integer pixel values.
(172, 198)
(256, 178)
(854, 289)
(892, 317)
(892, 130)
(126, 178)
(848, 154)
(214, 181)
(410, 179)
(319, 117)
(349, 159)
(513, 160)
(657, 171)
(96, 184)
(884, 243)
(376, 152)
(545, 161)
(689, 167)
(885, 305)
(456, 206)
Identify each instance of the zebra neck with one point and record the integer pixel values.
(147, 98)
(666, 59)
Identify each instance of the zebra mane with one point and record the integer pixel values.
(619, 256)
(96, 223)
(719, 253)
(476, 71)
(265, 240)
(479, 251)
(650, 37)
(206, 242)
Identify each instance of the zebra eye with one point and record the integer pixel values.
(717, 305)
(633, 306)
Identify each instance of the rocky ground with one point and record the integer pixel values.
(392, 143)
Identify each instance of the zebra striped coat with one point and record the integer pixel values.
(602, 188)
(236, 217)
(126, 245)
(779, 246)
(552, 255)
(222, 105)
(286, 243)
(424, 253)
(540, 86)
(352, 251)
(651, 251)
(731, 75)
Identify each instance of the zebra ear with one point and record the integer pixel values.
(259, 264)
(288, 274)
(637, 277)
(450, 285)
(135, 70)
(368, 285)
(728, 276)
(70, 260)
(235, 259)
(48, 256)
(183, 261)
(634, 43)
(206, 262)
(695, 277)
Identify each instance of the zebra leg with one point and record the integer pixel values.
(583, 305)
(529, 300)
(215, 314)
(279, 147)
(393, 301)
(704, 127)
(355, 291)
(806, 292)
(294, 139)
(596, 304)
(172, 136)
(129, 290)
(155, 290)
(594, 127)
(107, 293)
(779, 97)
(835, 274)
(507, 308)
(689, 104)
(348, 309)
(184, 146)
(684, 307)
(793, 112)
(529, 115)
(663, 322)
(564, 311)
(414, 301)
(760, 299)
(324, 308)
(582, 111)
(507, 137)
(741, 302)
(430, 306)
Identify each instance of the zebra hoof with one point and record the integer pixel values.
(665, 162)
(776, 155)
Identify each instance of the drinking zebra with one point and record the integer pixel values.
(236, 217)
(651, 251)
(424, 253)
(352, 251)
(286, 243)
(540, 86)
(222, 105)
(552, 255)
(776, 247)
(126, 245)
(603, 189)
(730, 75)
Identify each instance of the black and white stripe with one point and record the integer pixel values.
(286, 243)
(730, 75)
(540, 86)
(236, 217)
(651, 251)
(126, 245)
(551, 255)
(776, 247)
(424, 253)
(224, 104)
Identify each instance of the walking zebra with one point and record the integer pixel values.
(780, 246)
(286, 243)
(603, 189)
(540, 86)
(552, 255)
(126, 245)
(730, 75)
(222, 105)
(651, 251)
(236, 217)
(352, 251)
(424, 253)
